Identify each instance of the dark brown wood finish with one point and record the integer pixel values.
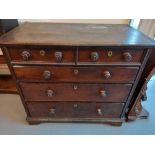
(148, 52)
(76, 35)
(6, 54)
(2, 59)
(136, 110)
(53, 55)
(7, 85)
(77, 72)
(108, 56)
(75, 92)
(109, 121)
(140, 91)
(75, 110)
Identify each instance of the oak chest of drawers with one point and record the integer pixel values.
(76, 72)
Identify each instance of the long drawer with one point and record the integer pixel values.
(77, 74)
(75, 92)
(72, 110)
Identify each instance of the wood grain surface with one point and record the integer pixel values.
(75, 35)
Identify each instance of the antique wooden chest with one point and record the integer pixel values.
(76, 72)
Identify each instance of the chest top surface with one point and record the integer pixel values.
(75, 35)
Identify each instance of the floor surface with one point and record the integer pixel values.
(12, 121)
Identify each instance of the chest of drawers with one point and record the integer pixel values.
(76, 72)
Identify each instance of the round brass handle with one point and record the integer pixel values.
(47, 75)
(50, 93)
(94, 56)
(26, 55)
(127, 56)
(103, 93)
(107, 74)
(99, 111)
(58, 56)
(52, 110)
(76, 71)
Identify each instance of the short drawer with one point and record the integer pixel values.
(101, 56)
(75, 74)
(52, 55)
(75, 92)
(75, 110)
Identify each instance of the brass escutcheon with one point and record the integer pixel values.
(75, 105)
(75, 87)
(76, 71)
(42, 52)
(109, 53)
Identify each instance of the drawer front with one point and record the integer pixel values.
(79, 110)
(75, 74)
(53, 55)
(75, 92)
(99, 56)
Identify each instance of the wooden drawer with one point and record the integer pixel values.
(72, 110)
(101, 56)
(75, 92)
(75, 74)
(52, 55)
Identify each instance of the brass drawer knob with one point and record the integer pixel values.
(107, 74)
(58, 56)
(99, 111)
(76, 71)
(127, 56)
(47, 74)
(26, 55)
(103, 93)
(52, 111)
(94, 56)
(50, 93)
